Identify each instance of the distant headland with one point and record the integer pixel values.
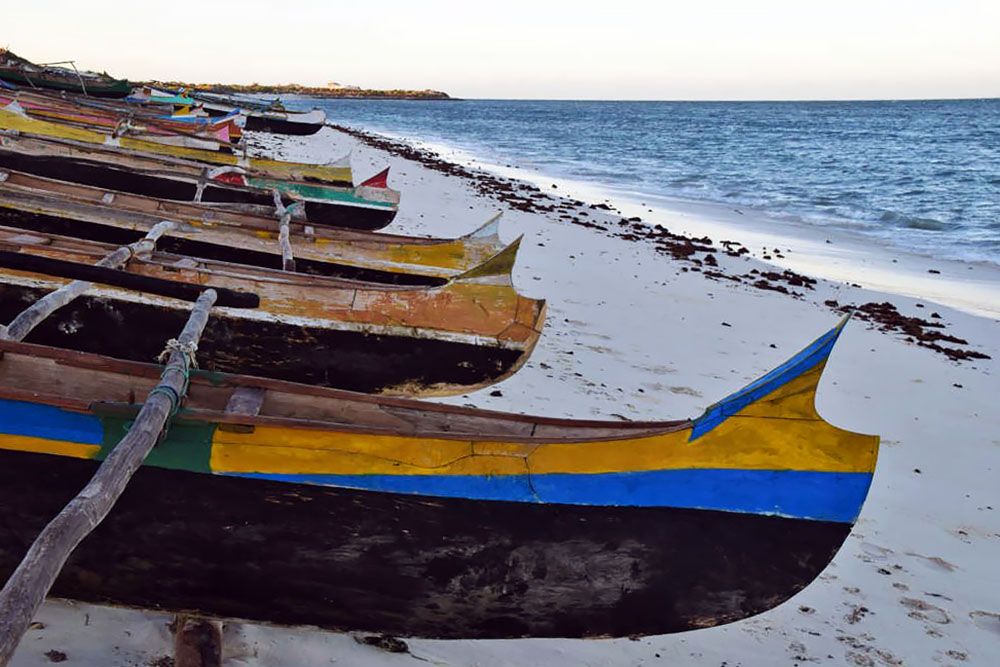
(332, 90)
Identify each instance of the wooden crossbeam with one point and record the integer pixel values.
(246, 401)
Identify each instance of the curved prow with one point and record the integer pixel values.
(788, 391)
(343, 161)
(488, 232)
(379, 180)
(803, 467)
(495, 270)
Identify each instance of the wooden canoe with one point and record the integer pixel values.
(270, 118)
(336, 173)
(44, 103)
(471, 332)
(247, 236)
(17, 70)
(304, 506)
(115, 123)
(272, 121)
(366, 207)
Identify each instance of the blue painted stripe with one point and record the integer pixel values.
(821, 496)
(816, 353)
(45, 421)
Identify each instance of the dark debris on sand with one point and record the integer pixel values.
(917, 330)
(699, 253)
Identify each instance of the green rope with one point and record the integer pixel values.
(188, 358)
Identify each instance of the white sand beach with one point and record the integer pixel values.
(635, 334)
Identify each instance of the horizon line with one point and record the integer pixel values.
(650, 99)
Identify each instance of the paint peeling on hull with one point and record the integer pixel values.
(344, 358)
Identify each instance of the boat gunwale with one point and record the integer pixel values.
(96, 362)
(72, 210)
(230, 270)
(266, 223)
(257, 182)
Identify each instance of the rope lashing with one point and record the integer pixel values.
(188, 352)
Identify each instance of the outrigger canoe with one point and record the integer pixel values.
(337, 172)
(368, 206)
(295, 505)
(121, 122)
(471, 332)
(272, 118)
(16, 69)
(247, 235)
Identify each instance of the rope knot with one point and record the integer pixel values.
(188, 350)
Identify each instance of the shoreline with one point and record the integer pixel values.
(827, 252)
(508, 185)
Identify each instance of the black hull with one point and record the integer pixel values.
(278, 126)
(353, 360)
(96, 174)
(66, 85)
(410, 566)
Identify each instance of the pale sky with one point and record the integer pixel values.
(613, 49)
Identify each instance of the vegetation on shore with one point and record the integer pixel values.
(297, 89)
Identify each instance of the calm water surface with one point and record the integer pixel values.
(922, 176)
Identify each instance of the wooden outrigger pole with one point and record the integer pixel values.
(27, 587)
(22, 325)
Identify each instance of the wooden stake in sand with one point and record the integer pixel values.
(31, 581)
(30, 317)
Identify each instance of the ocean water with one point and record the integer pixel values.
(922, 176)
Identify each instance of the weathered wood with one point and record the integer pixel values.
(284, 218)
(287, 261)
(246, 401)
(197, 642)
(22, 325)
(27, 587)
(117, 277)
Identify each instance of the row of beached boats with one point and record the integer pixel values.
(300, 481)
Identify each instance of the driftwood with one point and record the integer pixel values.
(29, 318)
(31, 581)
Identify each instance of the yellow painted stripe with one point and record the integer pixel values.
(782, 431)
(755, 444)
(280, 169)
(25, 443)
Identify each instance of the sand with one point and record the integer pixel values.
(631, 334)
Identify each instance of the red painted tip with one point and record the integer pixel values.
(231, 178)
(379, 180)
